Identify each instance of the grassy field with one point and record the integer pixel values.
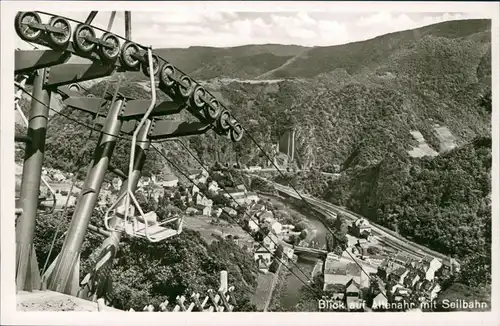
(202, 225)
(264, 283)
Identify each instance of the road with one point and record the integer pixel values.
(264, 170)
(384, 235)
(273, 286)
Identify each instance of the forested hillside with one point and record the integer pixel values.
(352, 112)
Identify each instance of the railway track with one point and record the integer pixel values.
(384, 235)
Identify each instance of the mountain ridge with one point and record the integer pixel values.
(354, 114)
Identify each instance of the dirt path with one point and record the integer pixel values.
(288, 62)
(54, 301)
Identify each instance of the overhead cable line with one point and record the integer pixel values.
(225, 190)
(302, 198)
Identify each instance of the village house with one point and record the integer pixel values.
(400, 293)
(398, 275)
(169, 181)
(156, 193)
(58, 177)
(213, 186)
(117, 183)
(198, 176)
(287, 227)
(252, 197)
(408, 274)
(242, 188)
(254, 168)
(288, 251)
(361, 228)
(192, 211)
(411, 279)
(339, 272)
(275, 227)
(362, 247)
(428, 266)
(258, 207)
(271, 241)
(230, 211)
(200, 199)
(193, 174)
(387, 267)
(205, 210)
(380, 302)
(449, 267)
(404, 260)
(194, 190)
(353, 295)
(144, 182)
(263, 258)
(236, 194)
(265, 216)
(216, 212)
(262, 253)
(432, 291)
(253, 225)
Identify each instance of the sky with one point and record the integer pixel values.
(185, 28)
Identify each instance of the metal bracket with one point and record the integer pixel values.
(87, 104)
(77, 72)
(66, 91)
(26, 61)
(165, 129)
(137, 108)
(109, 95)
(128, 127)
(22, 139)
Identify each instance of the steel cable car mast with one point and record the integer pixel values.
(125, 116)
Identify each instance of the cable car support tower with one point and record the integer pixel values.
(49, 72)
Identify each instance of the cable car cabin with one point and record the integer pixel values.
(147, 227)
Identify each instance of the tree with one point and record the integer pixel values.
(179, 203)
(339, 222)
(293, 240)
(142, 275)
(262, 233)
(330, 243)
(202, 187)
(221, 200)
(303, 235)
(299, 227)
(241, 209)
(460, 292)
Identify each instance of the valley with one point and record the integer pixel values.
(395, 129)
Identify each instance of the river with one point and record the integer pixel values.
(303, 266)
